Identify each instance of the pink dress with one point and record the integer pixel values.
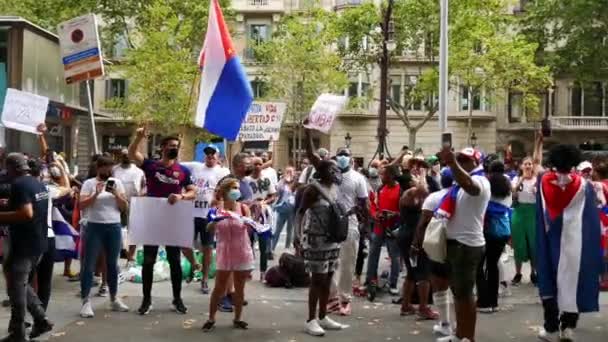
(233, 248)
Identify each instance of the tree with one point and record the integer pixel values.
(571, 35)
(299, 63)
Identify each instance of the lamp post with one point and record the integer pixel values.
(347, 140)
(443, 68)
(473, 140)
(388, 45)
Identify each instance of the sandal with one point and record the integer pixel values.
(240, 325)
(208, 326)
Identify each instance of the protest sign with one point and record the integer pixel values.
(324, 112)
(263, 122)
(153, 221)
(80, 48)
(24, 111)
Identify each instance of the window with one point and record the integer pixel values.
(116, 89)
(4, 48)
(120, 46)
(515, 106)
(353, 89)
(464, 98)
(588, 100)
(258, 33)
(259, 88)
(396, 92)
(258, 2)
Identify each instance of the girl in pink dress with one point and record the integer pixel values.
(234, 253)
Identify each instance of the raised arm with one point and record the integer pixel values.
(134, 154)
(310, 150)
(537, 156)
(461, 177)
(44, 146)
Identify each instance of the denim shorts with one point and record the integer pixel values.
(463, 261)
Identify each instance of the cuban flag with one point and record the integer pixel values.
(447, 206)
(66, 237)
(568, 234)
(225, 93)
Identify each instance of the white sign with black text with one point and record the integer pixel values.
(24, 111)
(263, 122)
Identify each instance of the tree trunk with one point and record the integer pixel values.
(470, 119)
(412, 139)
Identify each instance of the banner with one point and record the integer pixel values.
(153, 221)
(263, 122)
(24, 111)
(324, 112)
(80, 48)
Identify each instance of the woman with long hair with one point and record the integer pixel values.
(234, 253)
(523, 222)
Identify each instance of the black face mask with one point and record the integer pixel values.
(126, 161)
(172, 153)
(248, 171)
(104, 176)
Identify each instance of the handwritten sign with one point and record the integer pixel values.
(263, 122)
(324, 112)
(24, 111)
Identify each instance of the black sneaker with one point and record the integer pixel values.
(271, 256)
(372, 290)
(40, 328)
(533, 278)
(179, 307)
(145, 308)
(516, 280)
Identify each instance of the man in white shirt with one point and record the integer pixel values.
(205, 176)
(466, 242)
(268, 171)
(134, 183)
(309, 170)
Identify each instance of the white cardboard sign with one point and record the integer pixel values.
(263, 122)
(324, 111)
(24, 111)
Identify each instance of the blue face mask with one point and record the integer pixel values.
(343, 162)
(234, 194)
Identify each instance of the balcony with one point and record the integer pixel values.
(582, 123)
(341, 4)
(258, 6)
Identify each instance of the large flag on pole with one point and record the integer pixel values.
(225, 93)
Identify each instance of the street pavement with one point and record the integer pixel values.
(278, 315)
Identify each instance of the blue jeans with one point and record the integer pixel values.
(97, 236)
(374, 258)
(282, 219)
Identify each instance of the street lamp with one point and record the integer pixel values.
(347, 140)
(473, 139)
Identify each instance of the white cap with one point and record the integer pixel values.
(584, 166)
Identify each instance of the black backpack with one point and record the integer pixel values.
(295, 269)
(338, 219)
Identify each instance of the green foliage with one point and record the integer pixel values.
(299, 63)
(572, 36)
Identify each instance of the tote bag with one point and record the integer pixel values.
(434, 243)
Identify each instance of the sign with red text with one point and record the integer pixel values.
(80, 49)
(263, 122)
(324, 112)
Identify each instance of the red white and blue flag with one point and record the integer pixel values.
(225, 93)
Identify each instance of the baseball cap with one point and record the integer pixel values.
(17, 161)
(471, 153)
(322, 152)
(432, 159)
(343, 151)
(584, 166)
(211, 149)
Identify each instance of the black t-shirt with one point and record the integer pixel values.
(29, 238)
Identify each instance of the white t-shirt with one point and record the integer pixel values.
(132, 178)
(205, 178)
(105, 208)
(262, 187)
(353, 187)
(466, 225)
(528, 190)
(306, 175)
(271, 174)
(432, 200)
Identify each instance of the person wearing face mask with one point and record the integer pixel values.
(435, 170)
(206, 177)
(234, 253)
(374, 175)
(353, 194)
(103, 199)
(169, 179)
(134, 182)
(567, 244)
(285, 208)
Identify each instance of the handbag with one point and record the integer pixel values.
(435, 240)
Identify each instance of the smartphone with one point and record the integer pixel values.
(110, 184)
(446, 139)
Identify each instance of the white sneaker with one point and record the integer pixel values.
(567, 335)
(544, 335)
(452, 339)
(313, 328)
(118, 305)
(393, 291)
(442, 329)
(329, 324)
(87, 311)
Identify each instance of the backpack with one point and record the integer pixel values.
(338, 219)
(276, 277)
(294, 268)
(497, 222)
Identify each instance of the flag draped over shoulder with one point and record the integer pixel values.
(66, 237)
(447, 206)
(225, 94)
(569, 259)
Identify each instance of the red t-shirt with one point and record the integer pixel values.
(388, 199)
